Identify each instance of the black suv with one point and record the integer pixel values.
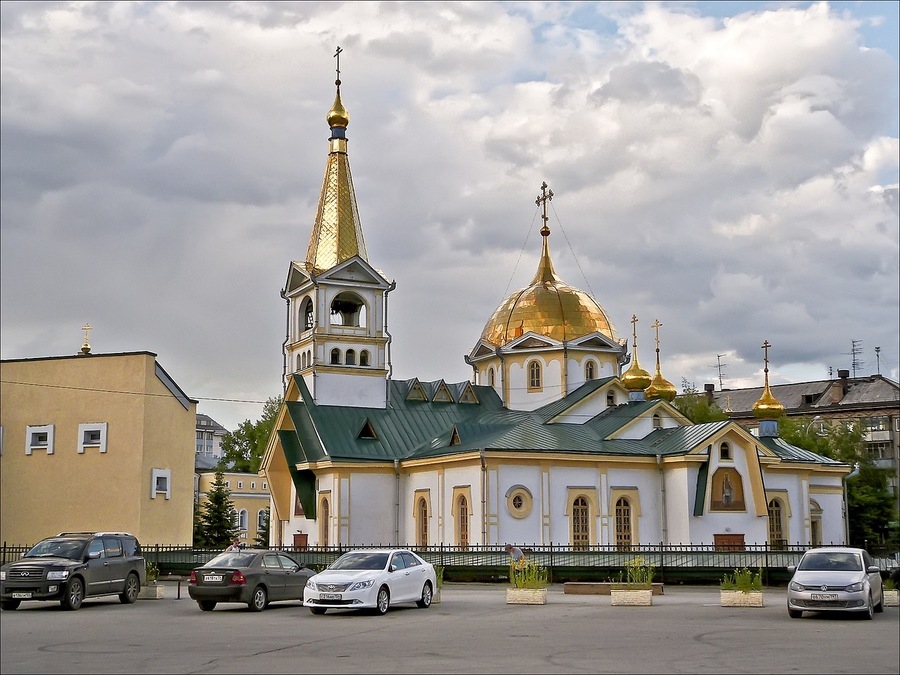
(73, 566)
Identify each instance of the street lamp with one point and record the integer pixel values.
(816, 419)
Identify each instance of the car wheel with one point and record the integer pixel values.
(795, 613)
(9, 605)
(259, 600)
(207, 605)
(425, 601)
(870, 609)
(383, 601)
(317, 610)
(132, 588)
(74, 595)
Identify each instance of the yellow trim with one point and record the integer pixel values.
(325, 529)
(782, 496)
(825, 489)
(464, 491)
(634, 501)
(590, 494)
(418, 495)
(527, 502)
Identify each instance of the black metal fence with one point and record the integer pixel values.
(695, 563)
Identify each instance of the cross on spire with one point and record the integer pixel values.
(337, 56)
(634, 321)
(542, 199)
(765, 346)
(656, 325)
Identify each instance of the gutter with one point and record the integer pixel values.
(484, 540)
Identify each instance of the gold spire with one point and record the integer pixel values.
(660, 387)
(548, 306)
(337, 233)
(635, 378)
(767, 407)
(86, 347)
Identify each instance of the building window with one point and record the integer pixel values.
(325, 524)
(160, 483)
(260, 520)
(265, 486)
(240, 484)
(422, 522)
(725, 452)
(657, 421)
(491, 376)
(308, 315)
(301, 361)
(39, 438)
(364, 358)
(462, 515)
(243, 520)
(350, 358)
(623, 524)
(581, 524)
(298, 507)
(92, 436)
(252, 484)
(534, 376)
(335, 356)
(519, 501)
(610, 399)
(776, 526)
(590, 371)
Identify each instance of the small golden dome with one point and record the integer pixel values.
(768, 407)
(660, 387)
(635, 378)
(549, 307)
(338, 115)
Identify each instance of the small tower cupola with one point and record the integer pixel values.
(768, 408)
(635, 379)
(660, 387)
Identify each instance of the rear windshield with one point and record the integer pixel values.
(834, 561)
(231, 559)
(58, 548)
(360, 561)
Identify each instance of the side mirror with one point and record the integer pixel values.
(393, 568)
(873, 569)
(791, 568)
(93, 555)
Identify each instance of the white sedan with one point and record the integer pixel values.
(372, 579)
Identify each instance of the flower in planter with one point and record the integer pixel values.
(638, 574)
(527, 574)
(152, 573)
(439, 576)
(744, 580)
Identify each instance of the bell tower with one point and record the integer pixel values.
(336, 329)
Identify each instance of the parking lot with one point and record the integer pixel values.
(472, 630)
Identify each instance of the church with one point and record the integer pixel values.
(552, 441)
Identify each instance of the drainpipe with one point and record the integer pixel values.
(484, 540)
(662, 489)
(397, 503)
(390, 367)
(287, 338)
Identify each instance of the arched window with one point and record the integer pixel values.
(725, 452)
(261, 520)
(491, 376)
(534, 375)
(462, 516)
(303, 361)
(364, 357)
(623, 524)
(581, 524)
(776, 524)
(325, 516)
(422, 522)
(657, 421)
(590, 370)
(335, 356)
(299, 362)
(243, 520)
(348, 310)
(307, 315)
(350, 357)
(309, 359)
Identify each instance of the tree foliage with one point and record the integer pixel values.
(242, 449)
(697, 406)
(216, 522)
(262, 534)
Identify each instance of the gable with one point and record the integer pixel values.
(354, 271)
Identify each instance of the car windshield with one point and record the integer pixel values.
(831, 560)
(57, 548)
(231, 559)
(360, 561)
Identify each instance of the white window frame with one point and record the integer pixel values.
(260, 520)
(160, 473)
(84, 429)
(31, 446)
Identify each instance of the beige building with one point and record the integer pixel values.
(95, 442)
(249, 496)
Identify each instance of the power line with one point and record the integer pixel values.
(128, 393)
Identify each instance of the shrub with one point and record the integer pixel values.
(638, 574)
(744, 580)
(152, 572)
(526, 574)
(439, 576)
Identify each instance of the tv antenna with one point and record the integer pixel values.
(720, 367)
(856, 349)
(878, 360)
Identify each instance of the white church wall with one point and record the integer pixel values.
(681, 489)
(467, 479)
(352, 390)
(371, 498)
(646, 527)
(512, 529)
(551, 378)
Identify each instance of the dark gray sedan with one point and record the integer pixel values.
(254, 577)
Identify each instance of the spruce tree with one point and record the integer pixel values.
(217, 521)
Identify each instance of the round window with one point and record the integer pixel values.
(519, 502)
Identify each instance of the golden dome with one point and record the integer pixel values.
(547, 306)
(767, 407)
(635, 378)
(660, 387)
(338, 115)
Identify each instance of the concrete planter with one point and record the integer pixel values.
(151, 592)
(892, 597)
(526, 596)
(631, 597)
(741, 599)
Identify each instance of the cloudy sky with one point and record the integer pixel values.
(728, 168)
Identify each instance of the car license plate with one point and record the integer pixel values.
(210, 578)
(824, 596)
(21, 596)
(330, 596)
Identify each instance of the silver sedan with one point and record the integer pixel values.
(835, 579)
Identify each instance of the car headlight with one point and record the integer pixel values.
(359, 585)
(311, 585)
(57, 575)
(2, 576)
(796, 587)
(853, 588)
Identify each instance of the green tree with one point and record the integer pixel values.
(870, 506)
(696, 406)
(217, 519)
(242, 449)
(262, 534)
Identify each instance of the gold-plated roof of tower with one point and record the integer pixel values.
(337, 233)
(547, 306)
(635, 378)
(660, 387)
(767, 407)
